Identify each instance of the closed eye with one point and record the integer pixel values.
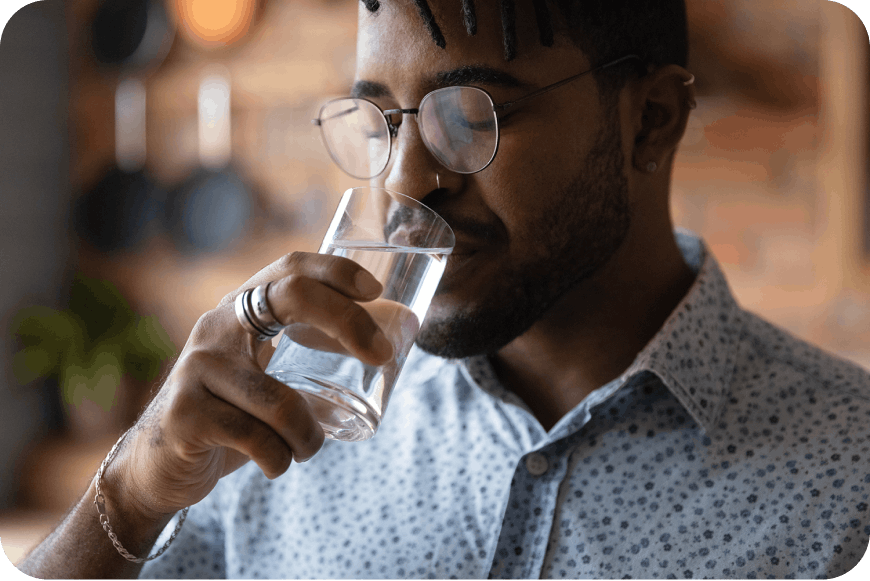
(463, 121)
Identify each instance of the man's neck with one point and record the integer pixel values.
(595, 331)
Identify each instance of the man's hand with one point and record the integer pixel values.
(218, 409)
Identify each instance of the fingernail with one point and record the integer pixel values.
(382, 347)
(366, 284)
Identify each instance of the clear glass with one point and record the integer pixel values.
(404, 245)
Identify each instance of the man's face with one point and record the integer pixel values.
(550, 209)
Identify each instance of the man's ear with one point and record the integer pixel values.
(662, 102)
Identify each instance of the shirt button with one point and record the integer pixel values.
(536, 464)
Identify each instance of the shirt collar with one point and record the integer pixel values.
(694, 352)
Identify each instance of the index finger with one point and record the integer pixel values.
(339, 273)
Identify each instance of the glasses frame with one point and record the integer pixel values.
(497, 108)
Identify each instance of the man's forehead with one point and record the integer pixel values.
(395, 43)
(398, 31)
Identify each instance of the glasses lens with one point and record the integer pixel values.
(356, 135)
(458, 125)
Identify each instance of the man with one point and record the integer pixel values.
(588, 399)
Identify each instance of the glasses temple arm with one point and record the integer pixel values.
(320, 121)
(549, 88)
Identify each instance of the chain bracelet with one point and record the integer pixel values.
(100, 503)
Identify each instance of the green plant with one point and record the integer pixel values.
(90, 345)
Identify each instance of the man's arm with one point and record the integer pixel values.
(79, 547)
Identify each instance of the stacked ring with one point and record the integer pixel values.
(255, 315)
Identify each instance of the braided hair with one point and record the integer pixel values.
(603, 29)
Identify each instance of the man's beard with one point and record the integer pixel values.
(580, 231)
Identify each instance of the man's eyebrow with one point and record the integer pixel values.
(368, 89)
(466, 75)
(478, 75)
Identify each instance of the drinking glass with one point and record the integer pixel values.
(405, 246)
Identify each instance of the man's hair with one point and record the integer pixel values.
(605, 30)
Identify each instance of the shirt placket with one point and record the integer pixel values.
(528, 517)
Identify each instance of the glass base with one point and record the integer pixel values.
(342, 414)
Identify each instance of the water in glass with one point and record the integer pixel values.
(347, 396)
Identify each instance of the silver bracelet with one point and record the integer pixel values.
(99, 502)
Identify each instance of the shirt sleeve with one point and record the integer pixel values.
(198, 550)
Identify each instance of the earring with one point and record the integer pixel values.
(651, 167)
(691, 81)
(437, 180)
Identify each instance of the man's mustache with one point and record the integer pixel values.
(406, 216)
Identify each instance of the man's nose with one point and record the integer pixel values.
(413, 170)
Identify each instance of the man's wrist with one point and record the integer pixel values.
(136, 526)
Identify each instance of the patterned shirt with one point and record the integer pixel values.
(727, 449)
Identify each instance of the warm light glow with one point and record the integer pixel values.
(216, 22)
(215, 15)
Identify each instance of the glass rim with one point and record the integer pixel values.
(438, 219)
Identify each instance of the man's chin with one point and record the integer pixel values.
(448, 339)
(468, 331)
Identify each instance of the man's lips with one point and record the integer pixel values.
(461, 255)
(465, 245)
(471, 231)
(470, 243)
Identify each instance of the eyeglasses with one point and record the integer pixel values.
(458, 125)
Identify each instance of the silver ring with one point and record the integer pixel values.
(245, 316)
(263, 315)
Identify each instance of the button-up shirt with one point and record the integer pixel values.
(729, 448)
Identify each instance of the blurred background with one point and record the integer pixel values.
(156, 153)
